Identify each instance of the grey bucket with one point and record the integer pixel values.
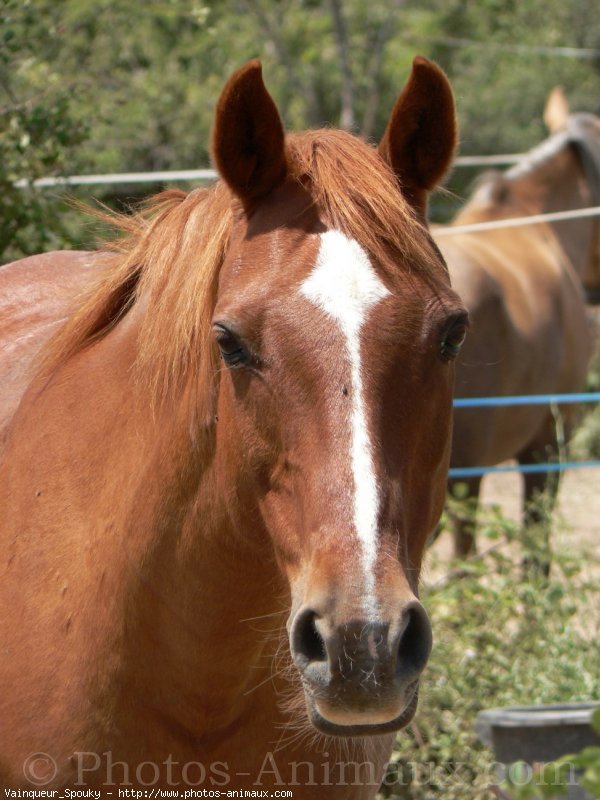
(538, 734)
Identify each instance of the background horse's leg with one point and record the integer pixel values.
(539, 498)
(462, 513)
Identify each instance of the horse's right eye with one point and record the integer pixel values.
(232, 349)
(454, 336)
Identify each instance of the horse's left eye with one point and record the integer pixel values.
(233, 352)
(454, 336)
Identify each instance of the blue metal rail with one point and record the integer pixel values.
(523, 400)
(526, 400)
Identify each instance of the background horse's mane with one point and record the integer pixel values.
(491, 189)
(492, 184)
(168, 261)
(539, 155)
(581, 131)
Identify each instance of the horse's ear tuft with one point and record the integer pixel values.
(556, 111)
(420, 139)
(248, 137)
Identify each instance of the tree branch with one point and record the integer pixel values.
(347, 93)
(304, 88)
(377, 49)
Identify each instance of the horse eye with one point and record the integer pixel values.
(453, 337)
(233, 352)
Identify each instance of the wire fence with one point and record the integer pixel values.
(203, 175)
(517, 222)
(120, 178)
(553, 400)
(175, 175)
(209, 175)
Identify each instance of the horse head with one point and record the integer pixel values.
(337, 328)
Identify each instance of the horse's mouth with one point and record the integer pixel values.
(358, 728)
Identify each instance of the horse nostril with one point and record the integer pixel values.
(414, 645)
(307, 642)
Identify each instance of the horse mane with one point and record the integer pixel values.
(357, 192)
(167, 259)
(489, 177)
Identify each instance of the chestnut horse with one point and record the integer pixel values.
(524, 288)
(217, 486)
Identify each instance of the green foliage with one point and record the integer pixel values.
(38, 131)
(113, 86)
(538, 781)
(588, 760)
(500, 640)
(500, 60)
(586, 440)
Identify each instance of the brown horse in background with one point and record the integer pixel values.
(524, 289)
(216, 490)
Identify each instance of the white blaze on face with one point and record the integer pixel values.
(345, 286)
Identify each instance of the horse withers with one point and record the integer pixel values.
(217, 485)
(525, 288)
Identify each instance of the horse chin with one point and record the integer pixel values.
(358, 728)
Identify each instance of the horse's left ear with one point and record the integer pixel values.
(248, 137)
(420, 139)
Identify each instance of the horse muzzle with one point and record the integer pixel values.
(360, 677)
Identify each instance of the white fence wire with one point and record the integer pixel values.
(168, 176)
(207, 174)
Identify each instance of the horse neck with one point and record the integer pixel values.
(559, 184)
(207, 578)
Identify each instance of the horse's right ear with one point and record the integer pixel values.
(556, 111)
(248, 137)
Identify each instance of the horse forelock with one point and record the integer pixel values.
(357, 192)
(168, 263)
